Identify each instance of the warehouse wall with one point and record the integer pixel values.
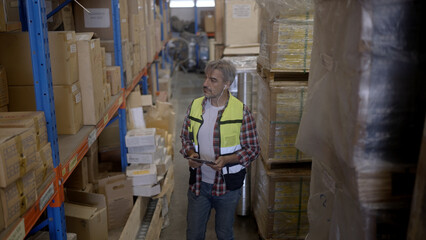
(187, 14)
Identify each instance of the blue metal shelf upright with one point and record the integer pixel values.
(35, 21)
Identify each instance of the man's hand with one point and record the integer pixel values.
(193, 163)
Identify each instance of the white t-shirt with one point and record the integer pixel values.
(205, 140)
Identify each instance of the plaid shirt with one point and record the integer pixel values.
(248, 140)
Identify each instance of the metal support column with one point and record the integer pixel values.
(162, 32)
(144, 85)
(42, 74)
(119, 62)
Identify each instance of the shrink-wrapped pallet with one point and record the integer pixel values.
(280, 202)
(279, 119)
(363, 116)
(286, 35)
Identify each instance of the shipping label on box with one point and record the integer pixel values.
(241, 22)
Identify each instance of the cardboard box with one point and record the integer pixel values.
(99, 20)
(241, 22)
(79, 178)
(4, 108)
(163, 165)
(110, 137)
(145, 158)
(149, 11)
(93, 162)
(135, 27)
(68, 106)
(118, 193)
(34, 120)
(17, 197)
(17, 153)
(150, 42)
(114, 78)
(9, 16)
(15, 48)
(44, 165)
(143, 48)
(85, 212)
(281, 202)
(135, 119)
(286, 42)
(43, 235)
(146, 190)
(279, 119)
(136, 57)
(209, 23)
(142, 174)
(4, 97)
(157, 32)
(140, 137)
(90, 71)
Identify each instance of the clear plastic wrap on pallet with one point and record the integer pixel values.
(286, 8)
(366, 96)
(246, 80)
(334, 214)
(364, 112)
(279, 120)
(286, 35)
(280, 202)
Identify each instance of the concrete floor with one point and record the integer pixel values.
(186, 87)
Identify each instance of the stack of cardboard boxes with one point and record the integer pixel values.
(25, 162)
(15, 47)
(283, 170)
(148, 160)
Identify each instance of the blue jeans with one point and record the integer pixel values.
(199, 209)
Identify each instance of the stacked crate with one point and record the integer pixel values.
(282, 180)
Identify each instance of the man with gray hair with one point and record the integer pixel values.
(219, 139)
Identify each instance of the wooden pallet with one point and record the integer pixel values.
(279, 75)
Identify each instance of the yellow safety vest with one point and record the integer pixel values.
(229, 124)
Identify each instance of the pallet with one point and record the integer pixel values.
(271, 76)
(274, 165)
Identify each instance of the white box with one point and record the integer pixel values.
(140, 137)
(146, 190)
(135, 158)
(142, 149)
(142, 174)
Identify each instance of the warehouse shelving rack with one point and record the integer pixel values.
(73, 147)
